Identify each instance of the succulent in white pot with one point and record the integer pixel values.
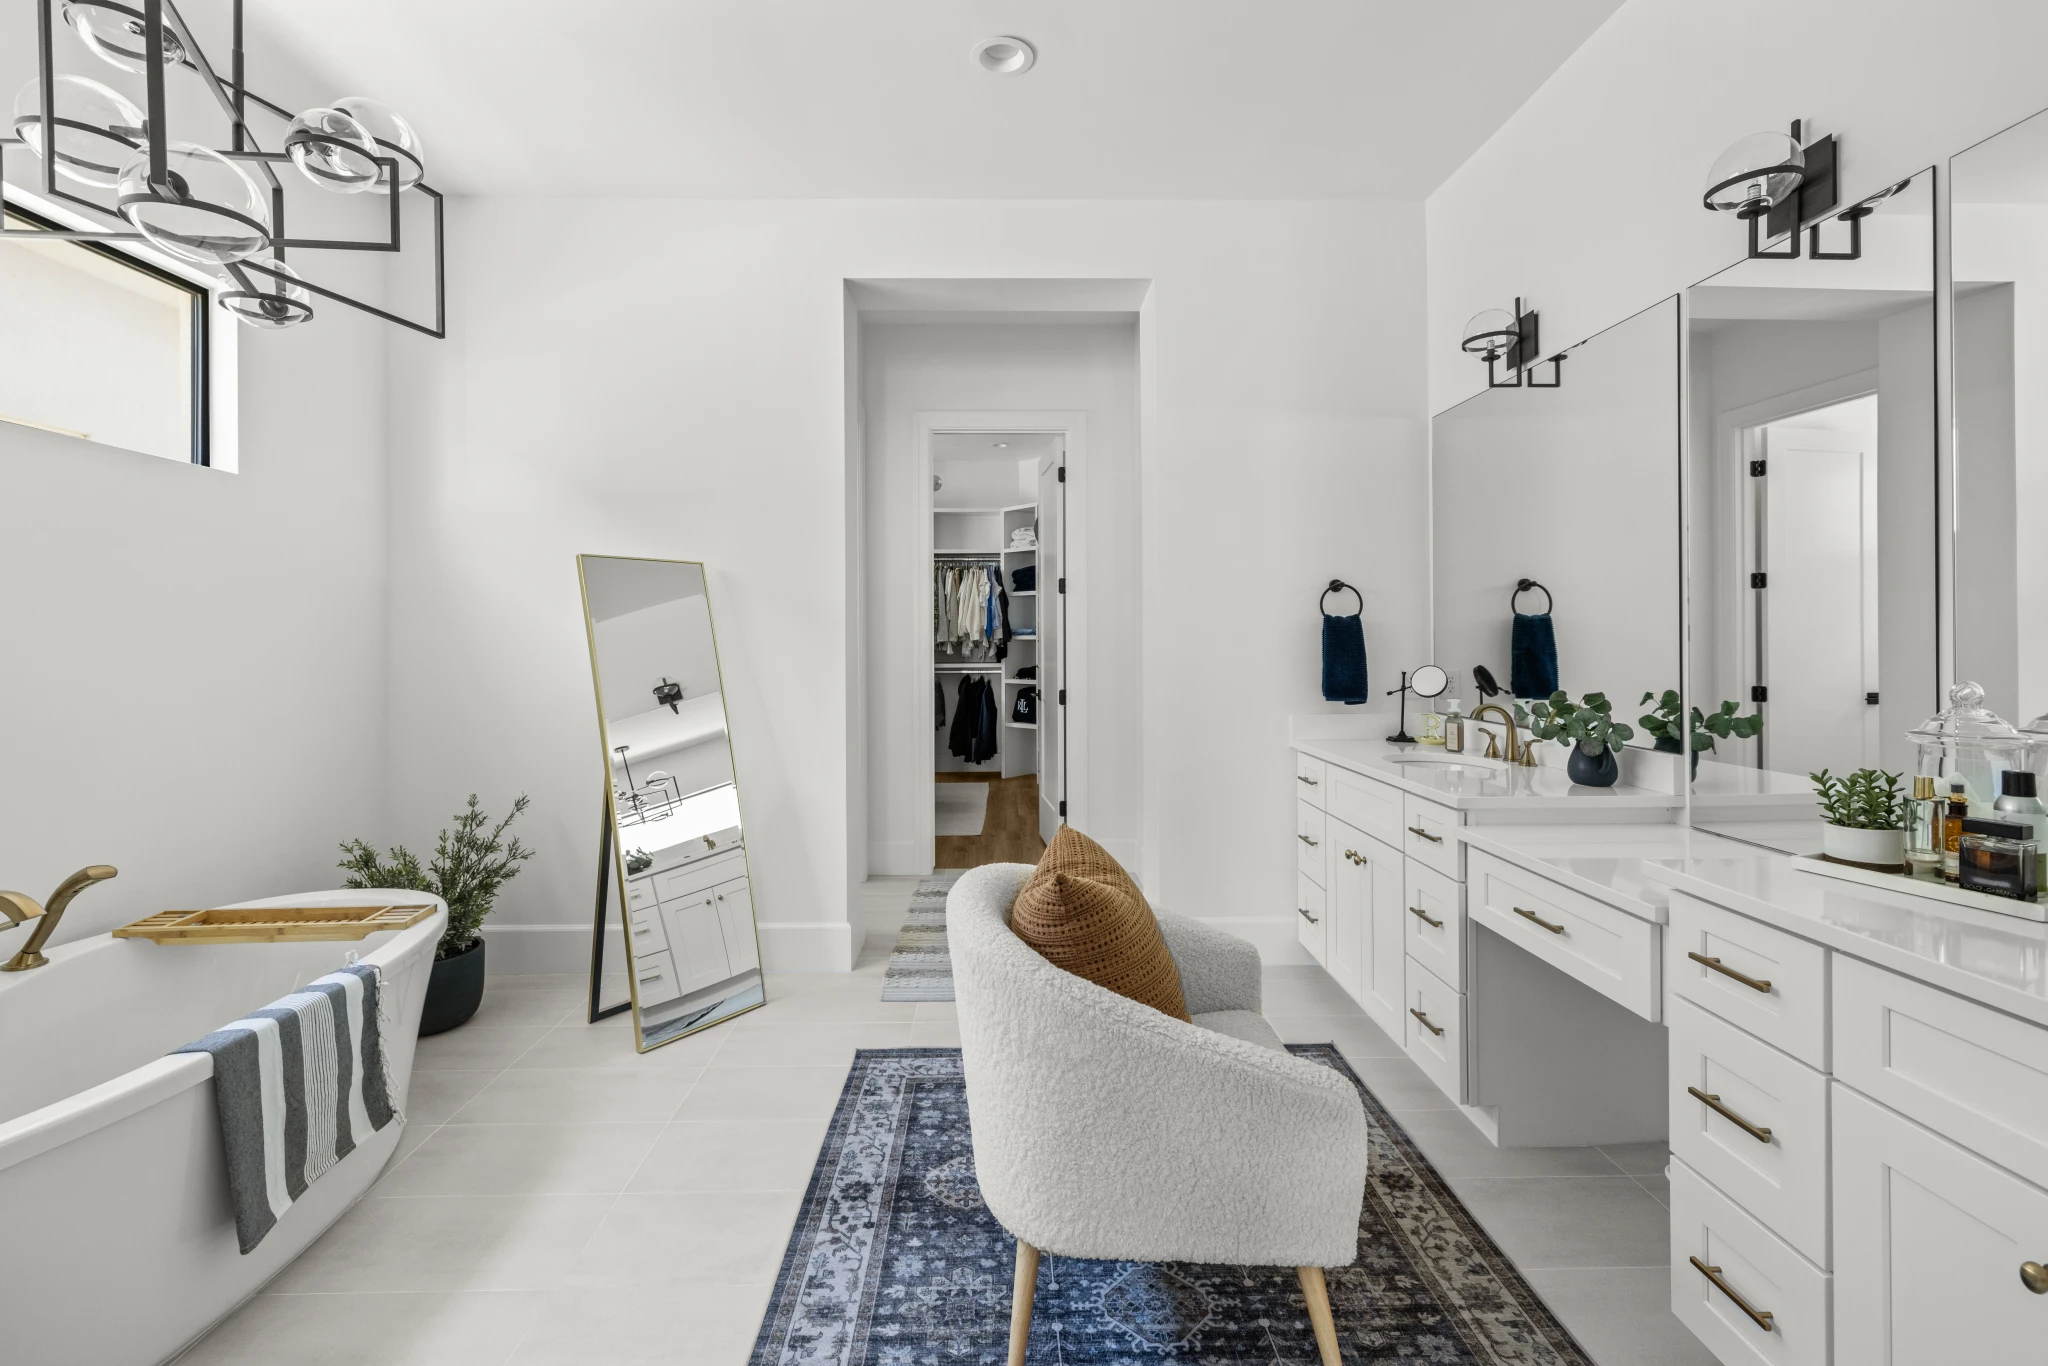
(1866, 818)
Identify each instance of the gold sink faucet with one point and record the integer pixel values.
(1515, 745)
(20, 909)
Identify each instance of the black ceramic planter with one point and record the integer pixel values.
(454, 991)
(1666, 745)
(1588, 770)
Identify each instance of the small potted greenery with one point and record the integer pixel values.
(1590, 726)
(469, 866)
(1866, 819)
(1721, 723)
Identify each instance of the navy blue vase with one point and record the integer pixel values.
(1589, 770)
(1666, 745)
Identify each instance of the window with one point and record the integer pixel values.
(99, 345)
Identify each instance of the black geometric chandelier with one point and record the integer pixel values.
(219, 208)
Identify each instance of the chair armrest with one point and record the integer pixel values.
(1218, 971)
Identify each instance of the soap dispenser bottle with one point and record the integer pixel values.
(1454, 728)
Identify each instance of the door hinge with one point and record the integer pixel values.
(1758, 579)
(1870, 699)
(1063, 479)
(1756, 469)
(1063, 808)
(1759, 693)
(1063, 583)
(1063, 697)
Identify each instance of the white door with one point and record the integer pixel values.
(1350, 905)
(1386, 961)
(1052, 625)
(735, 901)
(1929, 1245)
(696, 941)
(1817, 610)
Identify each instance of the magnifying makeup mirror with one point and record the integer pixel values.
(1427, 681)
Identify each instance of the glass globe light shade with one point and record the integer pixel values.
(1490, 333)
(269, 302)
(393, 136)
(210, 213)
(98, 130)
(333, 150)
(114, 31)
(1755, 175)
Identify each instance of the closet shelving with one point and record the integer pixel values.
(981, 535)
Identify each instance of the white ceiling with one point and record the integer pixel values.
(947, 446)
(1131, 99)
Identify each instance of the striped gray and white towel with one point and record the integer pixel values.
(298, 1084)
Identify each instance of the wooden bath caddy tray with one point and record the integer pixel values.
(272, 924)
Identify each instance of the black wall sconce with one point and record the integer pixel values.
(1511, 337)
(668, 693)
(1780, 187)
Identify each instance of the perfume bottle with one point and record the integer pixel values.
(1952, 829)
(2019, 801)
(1999, 858)
(1923, 826)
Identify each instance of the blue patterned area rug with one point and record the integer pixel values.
(895, 1261)
(921, 968)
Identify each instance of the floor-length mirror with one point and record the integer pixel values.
(1554, 516)
(1811, 508)
(677, 856)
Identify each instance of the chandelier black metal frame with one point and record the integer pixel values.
(167, 40)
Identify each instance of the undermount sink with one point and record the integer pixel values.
(1450, 761)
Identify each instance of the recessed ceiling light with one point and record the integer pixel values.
(1005, 56)
(1002, 445)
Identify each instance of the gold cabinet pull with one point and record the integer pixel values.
(1762, 1318)
(1718, 966)
(1418, 830)
(1423, 916)
(1761, 1133)
(1306, 840)
(1356, 857)
(1311, 919)
(1434, 1029)
(2034, 1277)
(1531, 915)
(1310, 781)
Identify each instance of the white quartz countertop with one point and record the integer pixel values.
(1610, 863)
(1465, 782)
(1997, 960)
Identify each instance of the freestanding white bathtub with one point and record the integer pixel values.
(117, 1239)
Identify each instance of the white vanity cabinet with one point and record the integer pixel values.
(692, 926)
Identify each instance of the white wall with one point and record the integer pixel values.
(688, 398)
(668, 640)
(1643, 108)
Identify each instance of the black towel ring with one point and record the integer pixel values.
(1524, 585)
(1339, 586)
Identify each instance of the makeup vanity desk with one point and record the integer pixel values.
(1854, 1082)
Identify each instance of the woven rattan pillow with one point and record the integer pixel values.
(1083, 913)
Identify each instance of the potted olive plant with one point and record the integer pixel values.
(1590, 726)
(469, 866)
(1721, 723)
(1866, 818)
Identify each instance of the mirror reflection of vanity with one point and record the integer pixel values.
(675, 854)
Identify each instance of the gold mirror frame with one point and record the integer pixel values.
(616, 871)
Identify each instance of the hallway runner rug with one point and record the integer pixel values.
(895, 1261)
(920, 968)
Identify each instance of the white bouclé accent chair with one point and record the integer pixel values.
(1105, 1129)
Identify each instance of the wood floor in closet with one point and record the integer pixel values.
(1009, 835)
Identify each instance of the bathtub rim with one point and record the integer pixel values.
(84, 1112)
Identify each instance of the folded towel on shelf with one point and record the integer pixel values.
(1024, 579)
(1532, 656)
(1344, 659)
(297, 1085)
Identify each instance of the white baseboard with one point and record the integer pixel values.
(894, 858)
(521, 950)
(1275, 939)
(806, 946)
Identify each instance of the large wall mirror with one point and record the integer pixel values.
(1998, 196)
(1576, 490)
(677, 854)
(1812, 512)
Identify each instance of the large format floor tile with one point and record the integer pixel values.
(1569, 1221)
(1622, 1315)
(467, 1328)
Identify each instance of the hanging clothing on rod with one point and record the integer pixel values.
(970, 610)
(975, 724)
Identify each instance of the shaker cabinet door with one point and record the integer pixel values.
(1386, 959)
(1350, 905)
(696, 941)
(735, 902)
(1938, 1254)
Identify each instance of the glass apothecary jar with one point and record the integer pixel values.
(1971, 742)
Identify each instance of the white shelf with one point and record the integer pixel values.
(980, 554)
(1020, 680)
(1019, 507)
(967, 512)
(1025, 593)
(1020, 550)
(1021, 725)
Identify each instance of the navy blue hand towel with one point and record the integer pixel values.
(1343, 659)
(1532, 659)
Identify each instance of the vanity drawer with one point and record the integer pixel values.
(1309, 919)
(1773, 984)
(1968, 1072)
(654, 979)
(1366, 805)
(1707, 1230)
(683, 884)
(1611, 951)
(1781, 1179)
(1309, 780)
(1433, 928)
(1430, 833)
(645, 923)
(640, 893)
(1433, 1029)
(1308, 841)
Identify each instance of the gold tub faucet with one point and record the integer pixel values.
(20, 909)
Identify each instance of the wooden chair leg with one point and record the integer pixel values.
(1317, 1292)
(1021, 1295)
